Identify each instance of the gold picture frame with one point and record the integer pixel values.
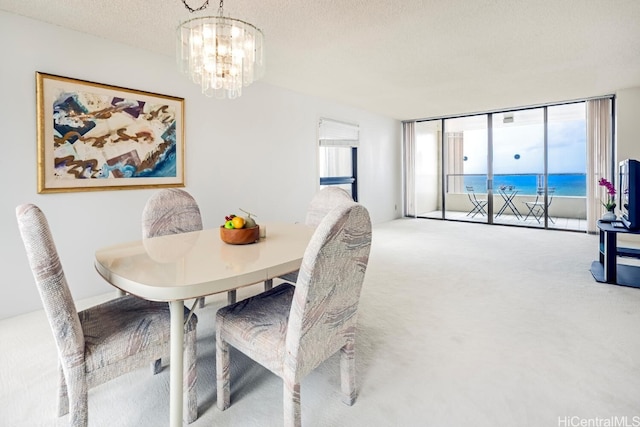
(93, 136)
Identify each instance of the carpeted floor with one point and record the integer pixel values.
(459, 325)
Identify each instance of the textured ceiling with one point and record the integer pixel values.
(406, 59)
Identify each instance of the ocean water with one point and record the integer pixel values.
(565, 184)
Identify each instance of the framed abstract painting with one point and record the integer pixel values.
(93, 136)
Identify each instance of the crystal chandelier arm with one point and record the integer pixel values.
(203, 7)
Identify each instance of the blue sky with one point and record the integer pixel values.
(567, 149)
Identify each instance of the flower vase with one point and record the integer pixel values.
(609, 216)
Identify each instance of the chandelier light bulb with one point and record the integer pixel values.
(220, 54)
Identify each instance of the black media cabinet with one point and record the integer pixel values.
(607, 269)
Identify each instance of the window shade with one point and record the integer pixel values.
(335, 133)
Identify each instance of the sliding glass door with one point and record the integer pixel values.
(466, 169)
(518, 163)
(426, 166)
(567, 166)
(523, 167)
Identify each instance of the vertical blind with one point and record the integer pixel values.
(409, 145)
(599, 156)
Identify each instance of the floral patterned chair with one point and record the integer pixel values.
(171, 211)
(323, 201)
(292, 329)
(102, 342)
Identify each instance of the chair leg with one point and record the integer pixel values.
(231, 297)
(538, 214)
(201, 302)
(534, 214)
(156, 366)
(78, 397)
(223, 399)
(190, 408)
(291, 400)
(348, 372)
(530, 212)
(482, 211)
(63, 397)
(268, 284)
(478, 208)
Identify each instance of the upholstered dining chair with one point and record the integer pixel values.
(321, 203)
(172, 211)
(102, 342)
(290, 329)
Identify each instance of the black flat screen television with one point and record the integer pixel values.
(629, 193)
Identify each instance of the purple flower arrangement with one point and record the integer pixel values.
(611, 194)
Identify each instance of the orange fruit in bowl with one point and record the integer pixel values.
(237, 221)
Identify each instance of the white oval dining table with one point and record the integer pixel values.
(179, 267)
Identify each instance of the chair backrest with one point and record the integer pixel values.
(323, 201)
(170, 211)
(540, 194)
(471, 194)
(325, 303)
(52, 284)
(550, 192)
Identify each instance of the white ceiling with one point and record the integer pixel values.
(406, 59)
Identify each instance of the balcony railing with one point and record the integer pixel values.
(564, 184)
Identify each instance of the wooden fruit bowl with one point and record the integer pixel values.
(240, 236)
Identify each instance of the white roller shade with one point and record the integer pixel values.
(334, 133)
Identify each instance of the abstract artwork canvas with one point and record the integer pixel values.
(93, 136)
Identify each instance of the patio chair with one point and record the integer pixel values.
(102, 342)
(478, 204)
(291, 330)
(537, 208)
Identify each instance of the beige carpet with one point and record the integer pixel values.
(460, 325)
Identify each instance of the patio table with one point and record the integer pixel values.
(508, 193)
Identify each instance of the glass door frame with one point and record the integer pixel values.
(452, 144)
(490, 176)
(551, 148)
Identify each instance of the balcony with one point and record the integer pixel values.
(567, 209)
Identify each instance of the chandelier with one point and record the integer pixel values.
(219, 53)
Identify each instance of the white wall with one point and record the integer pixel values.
(628, 121)
(628, 137)
(257, 152)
